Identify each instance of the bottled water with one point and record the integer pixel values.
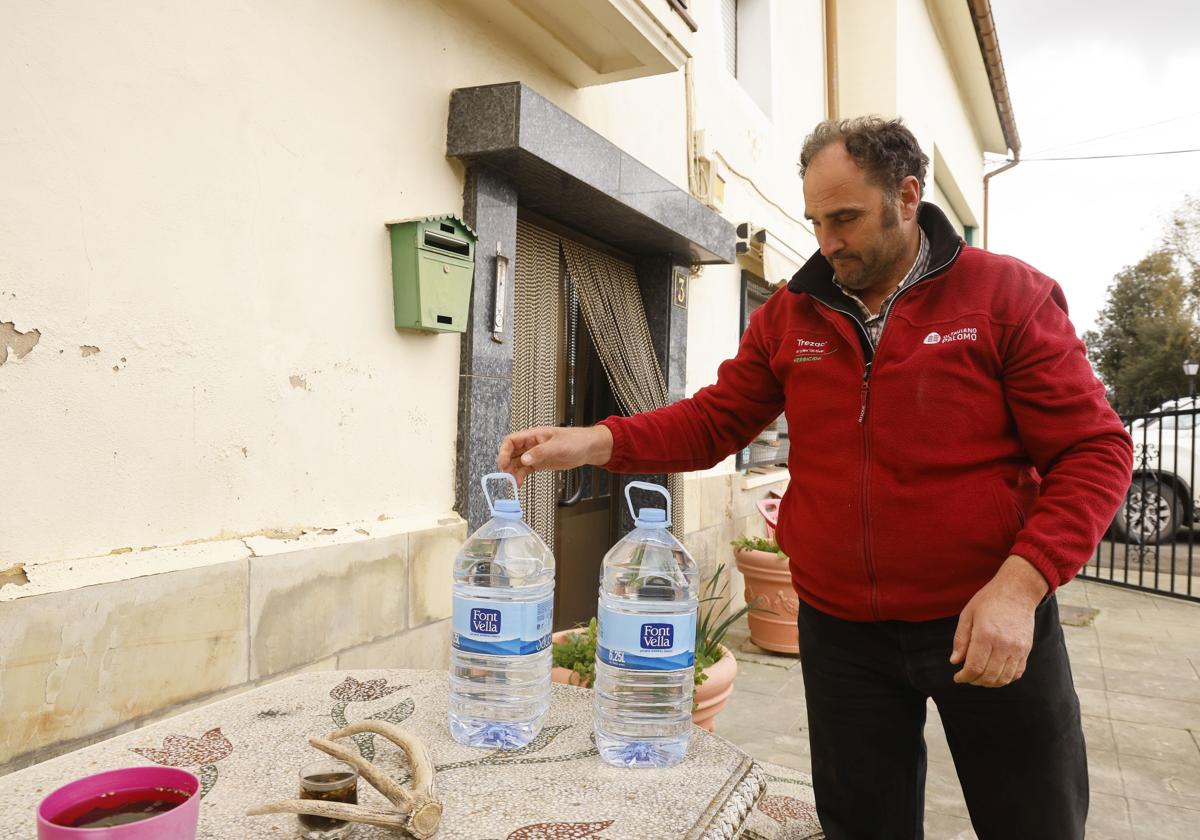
(503, 604)
(645, 650)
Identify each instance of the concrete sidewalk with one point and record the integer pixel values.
(1137, 671)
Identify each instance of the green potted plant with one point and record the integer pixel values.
(574, 652)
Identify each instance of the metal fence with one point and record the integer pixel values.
(1151, 543)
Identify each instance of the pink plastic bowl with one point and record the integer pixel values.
(177, 824)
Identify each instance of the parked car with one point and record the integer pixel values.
(1161, 499)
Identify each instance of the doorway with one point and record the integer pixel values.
(564, 384)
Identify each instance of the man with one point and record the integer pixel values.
(953, 461)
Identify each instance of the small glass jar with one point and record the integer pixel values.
(327, 781)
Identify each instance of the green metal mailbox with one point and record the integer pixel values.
(433, 263)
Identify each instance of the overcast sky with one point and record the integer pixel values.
(1080, 70)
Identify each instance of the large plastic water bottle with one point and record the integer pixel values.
(645, 649)
(503, 605)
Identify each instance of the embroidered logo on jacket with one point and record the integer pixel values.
(812, 351)
(961, 334)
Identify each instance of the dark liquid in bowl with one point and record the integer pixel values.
(347, 791)
(121, 807)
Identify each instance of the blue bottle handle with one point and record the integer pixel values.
(645, 485)
(497, 476)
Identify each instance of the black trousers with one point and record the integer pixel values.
(1018, 750)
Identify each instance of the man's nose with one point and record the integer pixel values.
(831, 245)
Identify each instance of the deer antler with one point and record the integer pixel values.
(416, 811)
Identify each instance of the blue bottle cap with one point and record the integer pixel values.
(507, 509)
(651, 518)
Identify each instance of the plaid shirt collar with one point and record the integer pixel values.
(874, 322)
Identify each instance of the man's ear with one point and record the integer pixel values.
(910, 197)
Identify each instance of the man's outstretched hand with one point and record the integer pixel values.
(553, 448)
(995, 629)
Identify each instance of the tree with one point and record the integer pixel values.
(1147, 329)
(1150, 323)
(1183, 240)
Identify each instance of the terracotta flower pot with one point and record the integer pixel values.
(565, 675)
(712, 694)
(769, 585)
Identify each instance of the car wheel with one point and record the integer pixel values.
(1152, 513)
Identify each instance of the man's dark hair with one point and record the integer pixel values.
(885, 149)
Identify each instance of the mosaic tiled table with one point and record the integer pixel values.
(246, 750)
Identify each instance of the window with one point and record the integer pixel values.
(770, 449)
(746, 31)
(729, 31)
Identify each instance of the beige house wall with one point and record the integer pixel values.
(931, 97)
(758, 155)
(895, 60)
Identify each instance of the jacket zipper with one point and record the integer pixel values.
(866, 387)
(868, 561)
(868, 558)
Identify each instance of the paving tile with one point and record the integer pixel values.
(793, 687)
(1075, 596)
(1158, 711)
(1112, 596)
(1170, 609)
(1131, 635)
(747, 651)
(773, 715)
(1087, 676)
(1171, 685)
(788, 750)
(1104, 772)
(1155, 821)
(1169, 783)
(1142, 657)
(757, 678)
(935, 742)
(1081, 654)
(1098, 734)
(1145, 642)
(1157, 742)
(1173, 645)
(947, 827)
(943, 793)
(1076, 615)
(1082, 631)
(1093, 701)
(1108, 817)
(1186, 633)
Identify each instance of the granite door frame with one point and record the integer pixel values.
(520, 150)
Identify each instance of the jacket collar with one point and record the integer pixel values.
(816, 275)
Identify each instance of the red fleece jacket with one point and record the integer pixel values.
(975, 430)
